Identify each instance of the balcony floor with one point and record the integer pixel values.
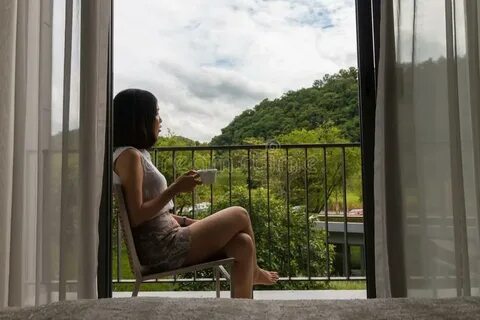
(257, 294)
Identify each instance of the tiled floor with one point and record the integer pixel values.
(258, 295)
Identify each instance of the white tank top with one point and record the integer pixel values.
(154, 183)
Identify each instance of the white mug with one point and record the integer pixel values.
(207, 176)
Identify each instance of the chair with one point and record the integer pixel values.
(143, 273)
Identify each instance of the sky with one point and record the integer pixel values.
(207, 61)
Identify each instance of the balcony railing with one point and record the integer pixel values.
(298, 197)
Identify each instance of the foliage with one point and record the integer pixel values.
(324, 174)
(281, 236)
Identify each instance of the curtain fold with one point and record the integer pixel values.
(8, 21)
(53, 94)
(427, 150)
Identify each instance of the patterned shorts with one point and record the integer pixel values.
(161, 243)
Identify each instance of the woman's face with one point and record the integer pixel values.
(157, 124)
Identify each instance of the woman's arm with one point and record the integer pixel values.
(129, 168)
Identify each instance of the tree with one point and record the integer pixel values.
(334, 99)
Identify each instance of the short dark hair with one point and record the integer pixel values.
(134, 112)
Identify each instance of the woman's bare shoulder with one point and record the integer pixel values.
(130, 154)
(128, 159)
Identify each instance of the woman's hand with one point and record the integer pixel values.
(186, 182)
(189, 221)
(183, 221)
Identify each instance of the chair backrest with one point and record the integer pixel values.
(127, 232)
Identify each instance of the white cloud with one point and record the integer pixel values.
(206, 61)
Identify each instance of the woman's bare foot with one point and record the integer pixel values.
(265, 277)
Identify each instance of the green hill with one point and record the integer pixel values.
(173, 140)
(333, 99)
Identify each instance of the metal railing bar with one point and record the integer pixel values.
(119, 246)
(346, 255)
(193, 204)
(288, 215)
(249, 182)
(230, 175)
(262, 146)
(174, 176)
(325, 206)
(211, 185)
(211, 195)
(268, 212)
(307, 217)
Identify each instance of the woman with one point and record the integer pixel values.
(162, 238)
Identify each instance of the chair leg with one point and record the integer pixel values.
(224, 272)
(136, 287)
(231, 287)
(217, 281)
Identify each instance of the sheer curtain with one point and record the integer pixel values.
(53, 93)
(427, 149)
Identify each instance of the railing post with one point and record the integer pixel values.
(249, 181)
(193, 191)
(268, 212)
(307, 216)
(288, 216)
(119, 248)
(346, 250)
(174, 176)
(230, 175)
(325, 207)
(193, 206)
(211, 186)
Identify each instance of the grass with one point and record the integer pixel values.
(354, 200)
(347, 285)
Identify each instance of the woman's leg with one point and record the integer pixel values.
(211, 235)
(260, 276)
(241, 248)
(223, 232)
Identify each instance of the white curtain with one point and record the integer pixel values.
(427, 149)
(53, 93)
